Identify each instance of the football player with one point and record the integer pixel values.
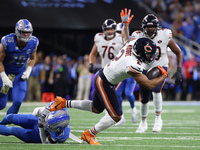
(128, 86)
(163, 39)
(52, 128)
(127, 63)
(107, 45)
(15, 49)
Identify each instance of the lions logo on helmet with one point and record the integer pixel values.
(56, 121)
(144, 49)
(150, 21)
(109, 24)
(23, 25)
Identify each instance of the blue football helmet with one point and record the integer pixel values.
(23, 25)
(150, 20)
(144, 49)
(56, 121)
(119, 27)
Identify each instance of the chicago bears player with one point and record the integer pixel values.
(15, 50)
(128, 86)
(107, 45)
(163, 39)
(53, 128)
(126, 64)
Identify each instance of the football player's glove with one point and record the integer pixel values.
(26, 73)
(92, 68)
(58, 103)
(163, 72)
(126, 18)
(177, 76)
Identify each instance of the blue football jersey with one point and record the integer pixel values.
(16, 57)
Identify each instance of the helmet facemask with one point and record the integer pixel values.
(109, 24)
(24, 30)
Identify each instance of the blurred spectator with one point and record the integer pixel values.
(188, 78)
(188, 28)
(177, 24)
(36, 79)
(59, 77)
(174, 9)
(48, 82)
(196, 82)
(84, 80)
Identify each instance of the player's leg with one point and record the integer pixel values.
(18, 93)
(145, 97)
(129, 89)
(119, 90)
(157, 100)
(107, 98)
(27, 121)
(26, 135)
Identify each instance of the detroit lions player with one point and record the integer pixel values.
(127, 63)
(54, 128)
(15, 50)
(163, 39)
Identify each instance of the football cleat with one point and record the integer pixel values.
(134, 115)
(121, 122)
(59, 103)
(142, 127)
(89, 138)
(157, 125)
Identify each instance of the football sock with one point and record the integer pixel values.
(157, 100)
(144, 110)
(80, 104)
(104, 123)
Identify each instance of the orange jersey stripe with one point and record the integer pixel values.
(105, 97)
(132, 69)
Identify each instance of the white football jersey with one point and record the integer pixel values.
(116, 70)
(108, 49)
(161, 39)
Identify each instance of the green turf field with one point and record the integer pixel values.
(181, 130)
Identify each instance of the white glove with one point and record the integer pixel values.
(6, 81)
(26, 73)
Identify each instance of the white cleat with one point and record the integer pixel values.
(157, 125)
(121, 122)
(142, 127)
(134, 115)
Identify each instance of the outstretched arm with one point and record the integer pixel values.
(126, 19)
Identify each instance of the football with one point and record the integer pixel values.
(153, 73)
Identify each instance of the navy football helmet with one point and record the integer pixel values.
(144, 49)
(23, 25)
(109, 24)
(150, 20)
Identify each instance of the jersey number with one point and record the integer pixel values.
(110, 54)
(18, 60)
(158, 53)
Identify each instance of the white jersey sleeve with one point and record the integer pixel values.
(117, 70)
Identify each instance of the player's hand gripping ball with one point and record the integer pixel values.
(153, 73)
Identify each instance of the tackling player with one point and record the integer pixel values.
(126, 64)
(15, 50)
(163, 39)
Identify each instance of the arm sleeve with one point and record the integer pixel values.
(37, 111)
(43, 136)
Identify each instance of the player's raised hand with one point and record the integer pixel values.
(125, 16)
(162, 70)
(58, 103)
